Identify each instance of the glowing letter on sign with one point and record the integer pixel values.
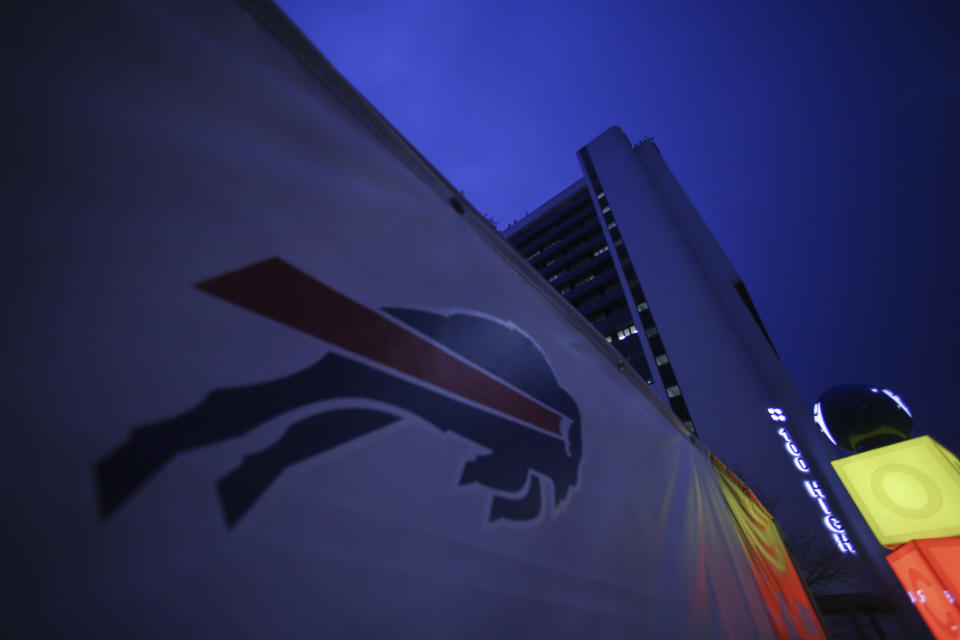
(794, 451)
(830, 521)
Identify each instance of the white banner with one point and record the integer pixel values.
(263, 379)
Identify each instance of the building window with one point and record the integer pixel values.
(553, 277)
(656, 345)
(605, 210)
(662, 360)
(652, 331)
(642, 306)
(584, 280)
(673, 392)
(608, 338)
(629, 331)
(668, 376)
(602, 249)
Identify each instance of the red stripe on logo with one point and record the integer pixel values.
(281, 292)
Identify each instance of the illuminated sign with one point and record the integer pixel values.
(794, 451)
(928, 570)
(776, 414)
(905, 491)
(831, 522)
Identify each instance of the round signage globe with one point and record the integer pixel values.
(859, 418)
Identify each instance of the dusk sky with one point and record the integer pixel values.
(819, 142)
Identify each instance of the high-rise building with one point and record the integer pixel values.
(574, 242)
(627, 248)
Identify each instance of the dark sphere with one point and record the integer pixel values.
(861, 418)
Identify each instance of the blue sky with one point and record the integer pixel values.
(819, 142)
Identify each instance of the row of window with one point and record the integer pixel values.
(636, 359)
(573, 241)
(611, 309)
(574, 206)
(661, 360)
(597, 292)
(587, 278)
(542, 249)
(561, 234)
(576, 262)
(600, 269)
(624, 333)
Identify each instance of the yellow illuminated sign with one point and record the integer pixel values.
(906, 491)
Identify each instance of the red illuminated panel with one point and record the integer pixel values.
(783, 593)
(927, 589)
(943, 556)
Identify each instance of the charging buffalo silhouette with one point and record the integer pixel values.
(464, 373)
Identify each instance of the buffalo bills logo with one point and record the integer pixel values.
(467, 374)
